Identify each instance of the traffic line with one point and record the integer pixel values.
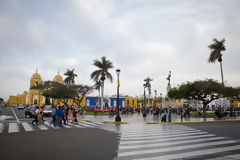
(66, 126)
(85, 125)
(170, 143)
(165, 139)
(168, 149)
(234, 156)
(75, 125)
(15, 115)
(194, 153)
(1, 127)
(27, 127)
(42, 127)
(159, 133)
(163, 136)
(49, 125)
(13, 127)
(88, 123)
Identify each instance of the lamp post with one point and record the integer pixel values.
(155, 97)
(161, 99)
(118, 118)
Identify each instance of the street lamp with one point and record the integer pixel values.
(161, 99)
(118, 118)
(155, 97)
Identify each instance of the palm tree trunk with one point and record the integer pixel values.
(221, 73)
(99, 97)
(102, 95)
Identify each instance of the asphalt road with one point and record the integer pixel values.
(70, 144)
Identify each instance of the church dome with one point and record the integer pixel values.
(35, 80)
(58, 78)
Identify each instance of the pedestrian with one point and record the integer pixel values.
(66, 113)
(169, 115)
(54, 116)
(74, 114)
(59, 115)
(42, 113)
(36, 112)
(165, 115)
(162, 116)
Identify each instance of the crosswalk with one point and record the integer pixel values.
(15, 127)
(166, 142)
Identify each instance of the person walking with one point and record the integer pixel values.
(169, 115)
(66, 113)
(36, 112)
(54, 116)
(42, 113)
(74, 114)
(165, 115)
(59, 115)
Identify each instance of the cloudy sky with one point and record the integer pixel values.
(143, 38)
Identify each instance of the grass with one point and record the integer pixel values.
(208, 115)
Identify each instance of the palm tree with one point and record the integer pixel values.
(216, 54)
(147, 85)
(103, 66)
(97, 86)
(69, 80)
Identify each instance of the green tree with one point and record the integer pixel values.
(79, 92)
(203, 90)
(97, 86)
(70, 79)
(102, 73)
(216, 48)
(147, 85)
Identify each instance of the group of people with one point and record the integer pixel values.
(60, 115)
(38, 115)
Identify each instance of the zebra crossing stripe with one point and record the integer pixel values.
(13, 127)
(194, 153)
(167, 149)
(27, 127)
(66, 126)
(75, 125)
(1, 127)
(42, 127)
(159, 133)
(88, 123)
(165, 139)
(103, 124)
(162, 136)
(234, 156)
(85, 125)
(170, 143)
(49, 125)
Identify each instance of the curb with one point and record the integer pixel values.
(192, 122)
(115, 122)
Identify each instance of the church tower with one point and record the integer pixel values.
(35, 80)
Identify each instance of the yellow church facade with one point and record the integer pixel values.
(35, 97)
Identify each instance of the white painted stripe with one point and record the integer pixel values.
(75, 125)
(170, 143)
(27, 126)
(157, 134)
(167, 149)
(194, 153)
(162, 136)
(66, 126)
(154, 131)
(88, 123)
(101, 123)
(166, 139)
(42, 127)
(15, 116)
(49, 125)
(234, 156)
(13, 127)
(1, 127)
(85, 125)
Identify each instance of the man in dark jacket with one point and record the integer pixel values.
(59, 115)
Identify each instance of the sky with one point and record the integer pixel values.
(143, 38)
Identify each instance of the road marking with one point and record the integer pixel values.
(167, 149)
(1, 127)
(170, 143)
(88, 123)
(162, 136)
(85, 125)
(166, 139)
(27, 127)
(15, 116)
(159, 133)
(13, 127)
(235, 156)
(75, 125)
(42, 127)
(49, 125)
(66, 126)
(195, 153)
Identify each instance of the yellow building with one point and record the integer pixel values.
(34, 96)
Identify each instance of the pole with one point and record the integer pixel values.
(118, 118)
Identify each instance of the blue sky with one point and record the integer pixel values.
(144, 38)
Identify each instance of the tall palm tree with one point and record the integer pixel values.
(147, 85)
(69, 80)
(97, 86)
(103, 66)
(216, 48)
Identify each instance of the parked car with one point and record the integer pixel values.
(47, 111)
(21, 106)
(29, 112)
